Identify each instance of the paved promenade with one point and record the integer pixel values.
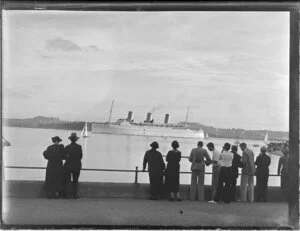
(141, 212)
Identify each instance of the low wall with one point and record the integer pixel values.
(14, 188)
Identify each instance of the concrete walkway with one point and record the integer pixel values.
(141, 212)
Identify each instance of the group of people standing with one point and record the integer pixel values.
(62, 178)
(225, 165)
(64, 165)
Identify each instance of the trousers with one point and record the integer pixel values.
(261, 189)
(223, 191)
(197, 186)
(214, 180)
(72, 176)
(233, 188)
(247, 188)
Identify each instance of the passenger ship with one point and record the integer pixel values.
(146, 128)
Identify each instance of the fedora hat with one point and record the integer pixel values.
(56, 138)
(73, 136)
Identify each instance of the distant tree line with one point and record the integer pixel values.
(240, 133)
(45, 122)
(56, 123)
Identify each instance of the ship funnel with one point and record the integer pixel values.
(167, 118)
(130, 116)
(149, 117)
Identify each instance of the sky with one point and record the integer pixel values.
(230, 68)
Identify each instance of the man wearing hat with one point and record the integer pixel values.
(156, 167)
(54, 172)
(262, 175)
(73, 166)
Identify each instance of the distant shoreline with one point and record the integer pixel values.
(56, 123)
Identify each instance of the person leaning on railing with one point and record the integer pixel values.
(156, 167)
(225, 175)
(215, 168)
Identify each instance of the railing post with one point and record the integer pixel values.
(136, 175)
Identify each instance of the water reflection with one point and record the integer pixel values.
(128, 151)
(84, 145)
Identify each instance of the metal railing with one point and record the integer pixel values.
(136, 171)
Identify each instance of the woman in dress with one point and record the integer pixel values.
(54, 181)
(172, 171)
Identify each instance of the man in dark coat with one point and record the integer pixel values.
(262, 175)
(156, 167)
(236, 163)
(54, 172)
(73, 166)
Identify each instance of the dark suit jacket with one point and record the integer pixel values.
(262, 161)
(73, 156)
(155, 162)
(236, 163)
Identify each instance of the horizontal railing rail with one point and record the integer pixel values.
(84, 169)
(136, 171)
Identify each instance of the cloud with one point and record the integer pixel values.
(90, 48)
(64, 45)
(38, 87)
(60, 44)
(18, 93)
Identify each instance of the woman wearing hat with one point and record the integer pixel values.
(156, 167)
(73, 166)
(54, 172)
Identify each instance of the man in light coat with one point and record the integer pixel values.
(248, 172)
(215, 169)
(197, 157)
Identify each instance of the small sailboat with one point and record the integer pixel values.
(237, 142)
(206, 136)
(266, 139)
(84, 132)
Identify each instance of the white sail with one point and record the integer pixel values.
(237, 141)
(206, 135)
(84, 132)
(266, 138)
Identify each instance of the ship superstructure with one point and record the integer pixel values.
(147, 128)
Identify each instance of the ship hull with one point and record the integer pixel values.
(146, 130)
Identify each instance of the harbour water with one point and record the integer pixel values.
(101, 151)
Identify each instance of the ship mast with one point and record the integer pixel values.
(187, 114)
(112, 104)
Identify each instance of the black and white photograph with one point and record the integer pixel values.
(149, 119)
